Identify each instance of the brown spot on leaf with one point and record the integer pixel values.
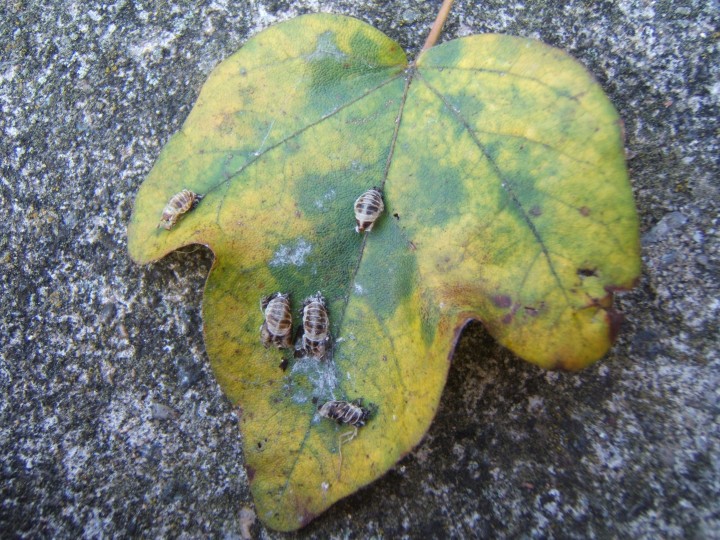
(250, 471)
(535, 211)
(465, 294)
(507, 319)
(584, 211)
(502, 301)
(606, 301)
(622, 288)
(531, 311)
(396, 216)
(587, 272)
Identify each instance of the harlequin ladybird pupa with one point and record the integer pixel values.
(277, 328)
(345, 412)
(315, 327)
(351, 413)
(368, 208)
(179, 204)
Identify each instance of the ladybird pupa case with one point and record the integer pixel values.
(277, 328)
(368, 208)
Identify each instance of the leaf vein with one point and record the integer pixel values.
(505, 182)
(257, 155)
(539, 143)
(501, 73)
(388, 163)
(598, 222)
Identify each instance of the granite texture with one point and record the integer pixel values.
(111, 423)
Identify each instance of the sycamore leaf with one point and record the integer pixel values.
(507, 200)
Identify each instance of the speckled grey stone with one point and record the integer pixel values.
(111, 423)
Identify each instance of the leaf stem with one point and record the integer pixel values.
(437, 25)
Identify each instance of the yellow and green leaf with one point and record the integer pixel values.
(507, 201)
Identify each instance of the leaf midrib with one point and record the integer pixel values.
(398, 118)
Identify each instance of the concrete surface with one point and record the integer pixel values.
(111, 423)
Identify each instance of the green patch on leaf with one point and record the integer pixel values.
(507, 200)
